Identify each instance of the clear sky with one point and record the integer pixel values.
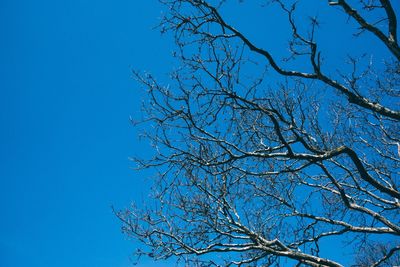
(65, 137)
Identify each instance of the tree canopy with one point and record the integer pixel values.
(276, 140)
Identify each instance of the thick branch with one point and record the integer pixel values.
(390, 42)
(352, 97)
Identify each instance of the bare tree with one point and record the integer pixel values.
(271, 158)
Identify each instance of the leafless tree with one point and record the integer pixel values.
(274, 156)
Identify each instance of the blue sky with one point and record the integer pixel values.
(66, 98)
